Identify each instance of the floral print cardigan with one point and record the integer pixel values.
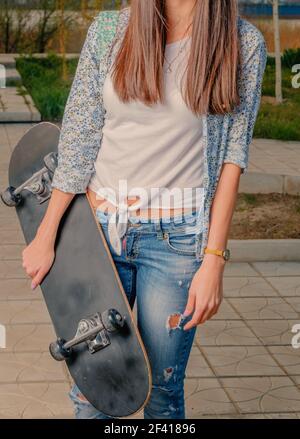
(226, 137)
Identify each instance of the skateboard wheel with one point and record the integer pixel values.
(57, 350)
(9, 198)
(50, 161)
(112, 320)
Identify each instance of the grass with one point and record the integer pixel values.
(282, 121)
(43, 80)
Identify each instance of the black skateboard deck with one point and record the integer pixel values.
(97, 335)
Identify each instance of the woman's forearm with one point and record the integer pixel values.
(206, 290)
(223, 206)
(58, 204)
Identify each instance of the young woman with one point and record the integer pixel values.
(170, 91)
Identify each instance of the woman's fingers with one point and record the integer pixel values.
(194, 321)
(30, 271)
(38, 278)
(209, 312)
(190, 306)
(199, 309)
(201, 314)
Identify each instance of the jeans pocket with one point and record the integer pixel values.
(182, 243)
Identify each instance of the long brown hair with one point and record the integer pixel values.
(212, 69)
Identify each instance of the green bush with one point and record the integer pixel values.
(43, 79)
(291, 57)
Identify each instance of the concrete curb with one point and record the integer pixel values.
(16, 107)
(262, 183)
(263, 250)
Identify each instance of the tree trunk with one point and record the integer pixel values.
(277, 51)
(62, 37)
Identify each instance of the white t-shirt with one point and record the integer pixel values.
(154, 152)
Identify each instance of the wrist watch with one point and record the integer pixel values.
(224, 253)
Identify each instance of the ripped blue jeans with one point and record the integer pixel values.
(156, 268)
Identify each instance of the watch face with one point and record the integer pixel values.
(226, 254)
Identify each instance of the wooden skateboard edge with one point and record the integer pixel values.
(127, 305)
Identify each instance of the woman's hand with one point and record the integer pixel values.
(206, 291)
(38, 258)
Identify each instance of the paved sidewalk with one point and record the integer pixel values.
(16, 105)
(274, 166)
(275, 157)
(242, 363)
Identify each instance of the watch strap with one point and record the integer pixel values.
(214, 251)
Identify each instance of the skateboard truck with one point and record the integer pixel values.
(38, 184)
(93, 330)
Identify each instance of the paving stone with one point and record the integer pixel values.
(24, 311)
(205, 396)
(295, 303)
(21, 115)
(263, 308)
(29, 367)
(247, 287)
(255, 250)
(3, 168)
(29, 337)
(241, 361)
(288, 357)
(15, 237)
(273, 332)
(5, 156)
(10, 269)
(263, 394)
(15, 132)
(285, 285)
(12, 289)
(6, 215)
(197, 366)
(11, 252)
(292, 184)
(297, 380)
(225, 312)
(10, 226)
(238, 269)
(35, 400)
(260, 182)
(225, 333)
(282, 415)
(16, 107)
(269, 269)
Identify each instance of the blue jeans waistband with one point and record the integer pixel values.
(177, 223)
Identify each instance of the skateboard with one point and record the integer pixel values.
(97, 336)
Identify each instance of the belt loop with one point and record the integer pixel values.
(158, 229)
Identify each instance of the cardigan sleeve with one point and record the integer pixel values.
(242, 119)
(79, 140)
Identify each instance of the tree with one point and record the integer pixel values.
(278, 86)
(62, 36)
(47, 26)
(13, 24)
